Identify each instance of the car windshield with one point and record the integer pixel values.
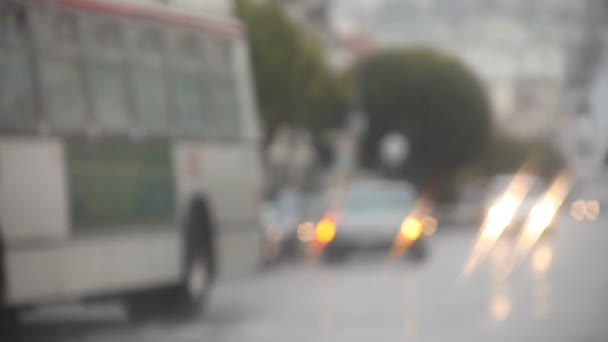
(379, 200)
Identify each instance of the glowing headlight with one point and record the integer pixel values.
(542, 215)
(499, 217)
(411, 229)
(306, 232)
(502, 212)
(326, 231)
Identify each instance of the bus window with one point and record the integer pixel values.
(190, 87)
(226, 101)
(149, 81)
(108, 74)
(190, 93)
(14, 24)
(16, 88)
(61, 70)
(66, 30)
(150, 42)
(107, 37)
(57, 31)
(63, 92)
(150, 96)
(110, 94)
(189, 47)
(219, 51)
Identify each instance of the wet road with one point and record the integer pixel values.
(558, 293)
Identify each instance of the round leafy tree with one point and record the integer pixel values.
(431, 98)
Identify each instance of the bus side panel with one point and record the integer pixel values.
(46, 259)
(246, 94)
(234, 186)
(228, 174)
(131, 261)
(33, 198)
(33, 211)
(93, 266)
(117, 183)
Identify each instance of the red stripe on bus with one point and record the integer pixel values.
(115, 8)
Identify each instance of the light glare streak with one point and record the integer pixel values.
(498, 219)
(541, 218)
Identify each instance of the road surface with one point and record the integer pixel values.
(558, 293)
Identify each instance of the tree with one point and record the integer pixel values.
(434, 100)
(294, 85)
(273, 42)
(329, 99)
(507, 155)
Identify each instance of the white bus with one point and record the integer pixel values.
(128, 152)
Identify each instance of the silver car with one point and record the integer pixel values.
(374, 215)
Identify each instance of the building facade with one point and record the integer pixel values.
(585, 104)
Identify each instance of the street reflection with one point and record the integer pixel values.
(585, 210)
(541, 262)
(326, 297)
(500, 307)
(541, 219)
(500, 301)
(577, 210)
(541, 259)
(411, 298)
(592, 210)
(498, 219)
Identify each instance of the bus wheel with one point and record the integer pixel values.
(9, 316)
(9, 322)
(182, 301)
(190, 297)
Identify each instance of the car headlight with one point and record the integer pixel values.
(306, 232)
(541, 215)
(411, 229)
(499, 217)
(325, 231)
(502, 212)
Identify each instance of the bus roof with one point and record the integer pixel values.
(224, 25)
